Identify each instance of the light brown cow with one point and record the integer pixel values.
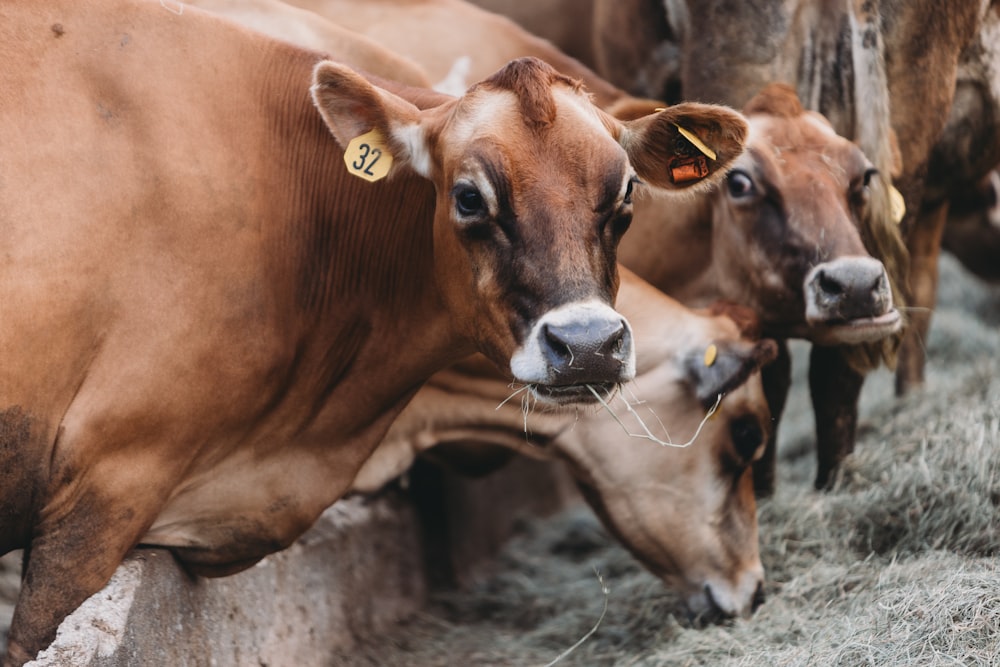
(209, 323)
(687, 513)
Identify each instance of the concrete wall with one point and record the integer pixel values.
(359, 571)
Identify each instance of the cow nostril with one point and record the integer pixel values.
(828, 284)
(758, 598)
(557, 345)
(879, 285)
(616, 341)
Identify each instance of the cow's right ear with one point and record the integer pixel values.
(352, 106)
(683, 146)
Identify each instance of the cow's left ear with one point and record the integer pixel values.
(352, 106)
(684, 145)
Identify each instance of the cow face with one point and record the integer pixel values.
(534, 190)
(786, 229)
(687, 513)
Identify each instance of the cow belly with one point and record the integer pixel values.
(246, 508)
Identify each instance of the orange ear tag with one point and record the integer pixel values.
(368, 156)
(711, 352)
(685, 168)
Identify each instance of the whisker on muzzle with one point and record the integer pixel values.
(647, 434)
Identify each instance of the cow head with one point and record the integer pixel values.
(688, 513)
(786, 228)
(534, 190)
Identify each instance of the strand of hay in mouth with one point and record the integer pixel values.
(604, 612)
(647, 434)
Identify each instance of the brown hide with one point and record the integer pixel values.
(311, 31)
(208, 323)
(688, 513)
(958, 171)
(425, 32)
(972, 232)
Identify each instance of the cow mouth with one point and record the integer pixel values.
(855, 331)
(574, 394)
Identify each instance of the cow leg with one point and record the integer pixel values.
(777, 378)
(71, 557)
(924, 244)
(835, 388)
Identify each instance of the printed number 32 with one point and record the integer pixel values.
(362, 164)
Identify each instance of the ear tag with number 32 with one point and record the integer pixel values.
(368, 157)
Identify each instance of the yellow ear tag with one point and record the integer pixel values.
(368, 157)
(710, 353)
(898, 205)
(690, 136)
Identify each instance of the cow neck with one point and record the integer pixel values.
(363, 308)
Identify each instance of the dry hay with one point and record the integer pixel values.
(896, 565)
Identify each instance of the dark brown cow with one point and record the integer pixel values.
(688, 513)
(209, 323)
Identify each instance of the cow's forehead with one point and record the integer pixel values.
(801, 138)
(495, 114)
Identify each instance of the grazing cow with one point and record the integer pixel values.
(675, 255)
(209, 318)
(688, 513)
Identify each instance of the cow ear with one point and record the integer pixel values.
(722, 367)
(685, 145)
(352, 106)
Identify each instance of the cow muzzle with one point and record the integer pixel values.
(720, 600)
(849, 301)
(575, 351)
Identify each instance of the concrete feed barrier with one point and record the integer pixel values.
(357, 572)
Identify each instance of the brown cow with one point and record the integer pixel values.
(687, 513)
(209, 322)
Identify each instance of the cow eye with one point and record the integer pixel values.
(628, 191)
(740, 184)
(468, 201)
(868, 176)
(747, 437)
